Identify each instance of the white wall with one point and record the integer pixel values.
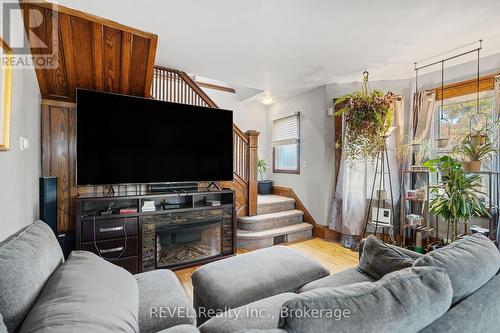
(19, 170)
(314, 183)
(247, 115)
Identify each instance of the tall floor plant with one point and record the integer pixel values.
(456, 196)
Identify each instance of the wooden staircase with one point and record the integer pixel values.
(172, 85)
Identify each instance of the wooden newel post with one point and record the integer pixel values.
(253, 146)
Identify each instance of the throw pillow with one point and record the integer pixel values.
(404, 301)
(379, 259)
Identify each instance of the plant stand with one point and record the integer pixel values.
(376, 216)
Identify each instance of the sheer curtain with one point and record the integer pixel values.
(422, 115)
(353, 189)
(497, 115)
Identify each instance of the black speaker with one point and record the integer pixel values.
(48, 201)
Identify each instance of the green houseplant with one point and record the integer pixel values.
(475, 154)
(418, 149)
(456, 196)
(368, 117)
(263, 186)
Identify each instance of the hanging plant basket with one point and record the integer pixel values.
(368, 117)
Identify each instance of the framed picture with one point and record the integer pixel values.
(5, 92)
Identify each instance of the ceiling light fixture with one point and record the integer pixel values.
(267, 100)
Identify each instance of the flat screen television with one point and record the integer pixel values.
(130, 140)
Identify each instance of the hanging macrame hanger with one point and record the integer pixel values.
(365, 87)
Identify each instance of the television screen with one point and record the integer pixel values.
(125, 140)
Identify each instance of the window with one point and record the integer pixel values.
(459, 111)
(286, 144)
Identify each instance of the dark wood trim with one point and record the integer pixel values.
(4, 45)
(465, 87)
(215, 87)
(150, 65)
(253, 147)
(59, 104)
(292, 172)
(319, 230)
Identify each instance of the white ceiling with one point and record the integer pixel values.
(279, 45)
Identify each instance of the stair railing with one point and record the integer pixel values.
(172, 85)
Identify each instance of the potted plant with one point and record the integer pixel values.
(368, 117)
(263, 186)
(420, 150)
(456, 198)
(475, 154)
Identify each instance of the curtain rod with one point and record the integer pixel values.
(450, 58)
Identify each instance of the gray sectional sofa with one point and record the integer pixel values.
(42, 293)
(453, 289)
(274, 290)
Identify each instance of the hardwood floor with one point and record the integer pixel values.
(333, 256)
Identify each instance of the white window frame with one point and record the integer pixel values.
(288, 135)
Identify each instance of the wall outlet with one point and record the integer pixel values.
(24, 144)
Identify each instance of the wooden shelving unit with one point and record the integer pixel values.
(418, 206)
(430, 225)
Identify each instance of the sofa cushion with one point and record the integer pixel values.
(246, 278)
(271, 330)
(470, 263)
(349, 276)
(378, 258)
(479, 312)
(403, 301)
(3, 328)
(86, 294)
(262, 314)
(181, 329)
(27, 260)
(162, 301)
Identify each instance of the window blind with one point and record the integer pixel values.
(286, 131)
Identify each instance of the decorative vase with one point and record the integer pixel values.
(472, 166)
(265, 186)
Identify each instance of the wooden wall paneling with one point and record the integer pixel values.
(139, 66)
(97, 41)
(93, 53)
(40, 73)
(68, 54)
(112, 49)
(80, 33)
(125, 62)
(59, 157)
(53, 82)
(72, 187)
(45, 140)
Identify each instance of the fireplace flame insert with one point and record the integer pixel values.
(185, 243)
